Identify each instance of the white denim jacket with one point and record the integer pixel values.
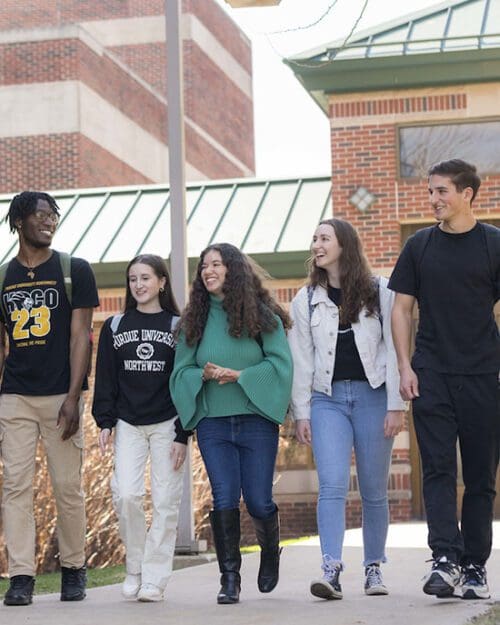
(313, 341)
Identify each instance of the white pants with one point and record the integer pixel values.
(148, 552)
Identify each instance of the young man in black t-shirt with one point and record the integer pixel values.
(43, 376)
(453, 271)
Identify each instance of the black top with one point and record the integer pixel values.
(39, 324)
(133, 371)
(455, 284)
(348, 365)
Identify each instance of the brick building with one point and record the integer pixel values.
(399, 97)
(83, 93)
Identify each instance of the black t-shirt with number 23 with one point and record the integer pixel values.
(39, 323)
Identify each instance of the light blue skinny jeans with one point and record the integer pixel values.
(353, 417)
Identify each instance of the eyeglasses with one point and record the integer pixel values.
(42, 215)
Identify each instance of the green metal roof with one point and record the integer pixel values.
(453, 42)
(110, 226)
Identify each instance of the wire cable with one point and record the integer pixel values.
(342, 46)
(311, 25)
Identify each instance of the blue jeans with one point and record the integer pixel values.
(352, 417)
(239, 453)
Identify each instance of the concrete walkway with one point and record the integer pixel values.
(191, 594)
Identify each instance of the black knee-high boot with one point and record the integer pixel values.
(268, 537)
(226, 530)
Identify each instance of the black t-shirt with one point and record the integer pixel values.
(133, 371)
(39, 324)
(348, 365)
(455, 286)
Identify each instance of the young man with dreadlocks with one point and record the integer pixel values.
(46, 311)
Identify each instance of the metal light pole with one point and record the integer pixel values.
(178, 257)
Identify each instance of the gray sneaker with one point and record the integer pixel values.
(473, 582)
(442, 578)
(374, 584)
(328, 587)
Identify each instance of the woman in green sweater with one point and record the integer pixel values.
(232, 381)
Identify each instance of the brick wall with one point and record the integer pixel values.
(35, 13)
(147, 60)
(221, 25)
(48, 159)
(122, 91)
(219, 132)
(364, 139)
(38, 61)
(42, 161)
(217, 105)
(99, 168)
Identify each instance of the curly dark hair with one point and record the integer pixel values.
(159, 267)
(356, 280)
(25, 204)
(249, 306)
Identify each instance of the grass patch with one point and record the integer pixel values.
(283, 543)
(492, 617)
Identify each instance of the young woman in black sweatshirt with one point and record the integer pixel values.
(134, 362)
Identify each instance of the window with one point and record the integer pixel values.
(422, 146)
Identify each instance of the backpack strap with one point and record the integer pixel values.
(173, 323)
(420, 241)
(115, 322)
(3, 273)
(491, 236)
(65, 260)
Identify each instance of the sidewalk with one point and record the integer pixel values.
(191, 594)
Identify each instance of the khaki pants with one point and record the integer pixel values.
(23, 420)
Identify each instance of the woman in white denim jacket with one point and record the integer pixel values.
(346, 395)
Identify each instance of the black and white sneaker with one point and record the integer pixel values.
(442, 578)
(328, 587)
(473, 582)
(374, 584)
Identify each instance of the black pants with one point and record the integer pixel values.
(467, 407)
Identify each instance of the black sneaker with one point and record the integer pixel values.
(473, 582)
(20, 591)
(73, 583)
(328, 587)
(442, 579)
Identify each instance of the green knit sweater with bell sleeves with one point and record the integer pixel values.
(263, 387)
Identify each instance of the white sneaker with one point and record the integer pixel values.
(150, 592)
(328, 587)
(131, 586)
(374, 584)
